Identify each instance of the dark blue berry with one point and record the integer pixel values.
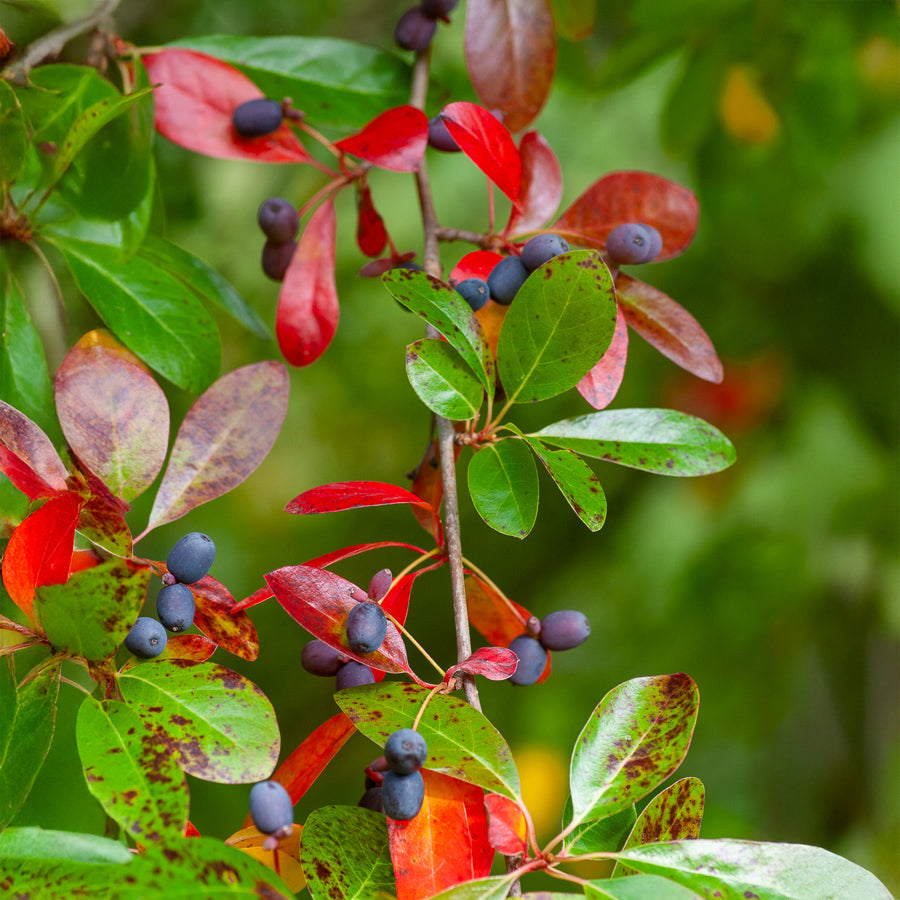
(439, 136)
(257, 117)
(147, 638)
(532, 660)
(402, 795)
(541, 249)
(475, 292)
(438, 9)
(366, 627)
(191, 557)
(271, 808)
(276, 258)
(506, 278)
(175, 607)
(371, 799)
(414, 30)
(655, 242)
(278, 220)
(564, 629)
(318, 658)
(629, 244)
(353, 674)
(405, 751)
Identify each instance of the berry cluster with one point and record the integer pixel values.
(402, 788)
(188, 561)
(415, 28)
(279, 222)
(560, 630)
(509, 274)
(633, 243)
(257, 118)
(271, 809)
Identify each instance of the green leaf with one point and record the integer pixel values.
(639, 887)
(561, 323)
(347, 870)
(15, 138)
(444, 309)
(205, 281)
(443, 380)
(130, 771)
(503, 483)
(220, 723)
(23, 365)
(733, 870)
(366, 82)
(575, 480)
(29, 737)
(461, 741)
(91, 613)
(636, 737)
(57, 865)
(152, 313)
(601, 835)
(495, 888)
(656, 440)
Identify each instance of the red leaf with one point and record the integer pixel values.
(343, 495)
(377, 267)
(216, 618)
(541, 186)
(477, 264)
(511, 56)
(195, 100)
(196, 647)
(307, 314)
(445, 844)
(394, 140)
(84, 559)
(319, 600)
(487, 143)
(632, 197)
(495, 663)
(114, 415)
(669, 327)
(27, 456)
(40, 550)
(346, 552)
(257, 596)
(601, 384)
(370, 232)
(506, 825)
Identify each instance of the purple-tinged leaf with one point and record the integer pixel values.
(494, 663)
(217, 617)
(600, 386)
(541, 188)
(27, 456)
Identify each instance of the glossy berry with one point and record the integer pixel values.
(257, 117)
(175, 607)
(147, 638)
(629, 244)
(380, 583)
(366, 627)
(439, 9)
(278, 220)
(271, 807)
(439, 136)
(276, 258)
(405, 751)
(475, 292)
(191, 557)
(532, 660)
(318, 658)
(541, 249)
(353, 674)
(655, 242)
(506, 278)
(414, 30)
(402, 795)
(372, 799)
(564, 629)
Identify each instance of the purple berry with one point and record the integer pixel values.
(257, 117)
(564, 629)
(147, 638)
(439, 9)
(532, 660)
(191, 557)
(439, 136)
(271, 808)
(629, 244)
(372, 799)
(414, 30)
(475, 292)
(276, 258)
(655, 242)
(278, 220)
(405, 751)
(353, 674)
(402, 795)
(318, 658)
(541, 249)
(506, 278)
(366, 627)
(175, 607)
(380, 584)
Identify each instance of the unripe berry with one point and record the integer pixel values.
(475, 292)
(380, 584)
(405, 751)
(147, 638)
(402, 795)
(191, 557)
(318, 658)
(532, 660)
(564, 629)
(366, 627)
(629, 244)
(278, 220)
(414, 30)
(257, 117)
(271, 808)
(175, 607)
(353, 674)
(276, 258)
(541, 249)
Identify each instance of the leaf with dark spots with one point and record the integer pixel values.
(217, 618)
(223, 438)
(231, 735)
(445, 844)
(28, 457)
(461, 741)
(636, 737)
(131, 771)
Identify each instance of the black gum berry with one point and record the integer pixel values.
(475, 292)
(191, 557)
(318, 658)
(147, 638)
(402, 795)
(256, 118)
(541, 249)
(175, 607)
(366, 627)
(439, 136)
(278, 220)
(405, 751)
(532, 660)
(353, 674)
(564, 629)
(506, 278)
(415, 30)
(271, 808)
(276, 258)
(632, 243)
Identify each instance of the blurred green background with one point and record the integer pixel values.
(775, 584)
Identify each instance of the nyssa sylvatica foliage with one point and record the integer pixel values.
(159, 708)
